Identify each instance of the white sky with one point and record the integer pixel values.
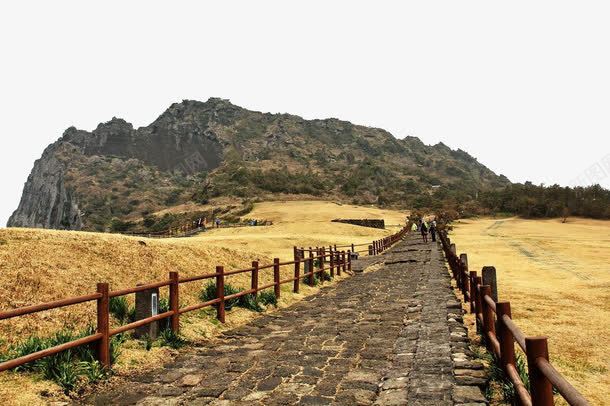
(523, 86)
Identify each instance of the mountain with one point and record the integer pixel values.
(196, 152)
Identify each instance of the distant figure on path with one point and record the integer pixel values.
(424, 231)
(217, 222)
(433, 230)
(414, 227)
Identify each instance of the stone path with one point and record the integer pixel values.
(393, 336)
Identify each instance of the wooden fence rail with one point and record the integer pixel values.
(494, 322)
(316, 262)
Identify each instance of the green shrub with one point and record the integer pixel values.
(131, 316)
(167, 338)
(119, 308)
(209, 293)
(61, 369)
(316, 280)
(267, 298)
(115, 346)
(163, 308)
(68, 368)
(119, 226)
(250, 302)
(507, 389)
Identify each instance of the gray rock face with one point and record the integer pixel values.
(180, 140)
(87, 178)
(46, 201)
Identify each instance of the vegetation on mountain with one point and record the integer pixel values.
(117, 177)
(121, 179)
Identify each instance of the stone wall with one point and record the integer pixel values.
(373, 223)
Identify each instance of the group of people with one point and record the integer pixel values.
(425, 228)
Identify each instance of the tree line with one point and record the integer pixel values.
(529, 200)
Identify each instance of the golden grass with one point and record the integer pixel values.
(42, 265)
(302, 223)
(557, 279)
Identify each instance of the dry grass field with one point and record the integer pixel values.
(557, 278)
(302, 223)
(43, 265)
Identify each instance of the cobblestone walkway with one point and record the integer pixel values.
(393, 336)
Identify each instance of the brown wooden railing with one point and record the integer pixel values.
(494, 322)
(317, 261)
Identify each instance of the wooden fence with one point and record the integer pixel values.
(317, 261)
(499, 331)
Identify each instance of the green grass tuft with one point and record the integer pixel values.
(267, 297)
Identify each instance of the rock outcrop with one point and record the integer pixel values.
(196, 151)
(46, 201)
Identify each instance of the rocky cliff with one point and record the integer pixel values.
(196, 151)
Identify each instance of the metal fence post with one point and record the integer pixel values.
(103, 325)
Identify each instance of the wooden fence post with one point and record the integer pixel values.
(473, 287)
(540, 387)
(349, 260)
(276, 277)
(488, 317)
(477, 300)
(174, 301)
(103, 325)
(489, 278)
(464, 275)
(297, 276)
(507, 346)
(332, 263)
(310, 269)
(343, 260)
(322, 257)
(353, 247)
(320, 267)
(370, 250)
(254, 278)
(220, 293)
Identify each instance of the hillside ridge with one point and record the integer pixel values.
(198, 151)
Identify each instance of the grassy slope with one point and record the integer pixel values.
(556, 277)
(43, 265)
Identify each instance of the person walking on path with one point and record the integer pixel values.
(433, 230)
(424, 231)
